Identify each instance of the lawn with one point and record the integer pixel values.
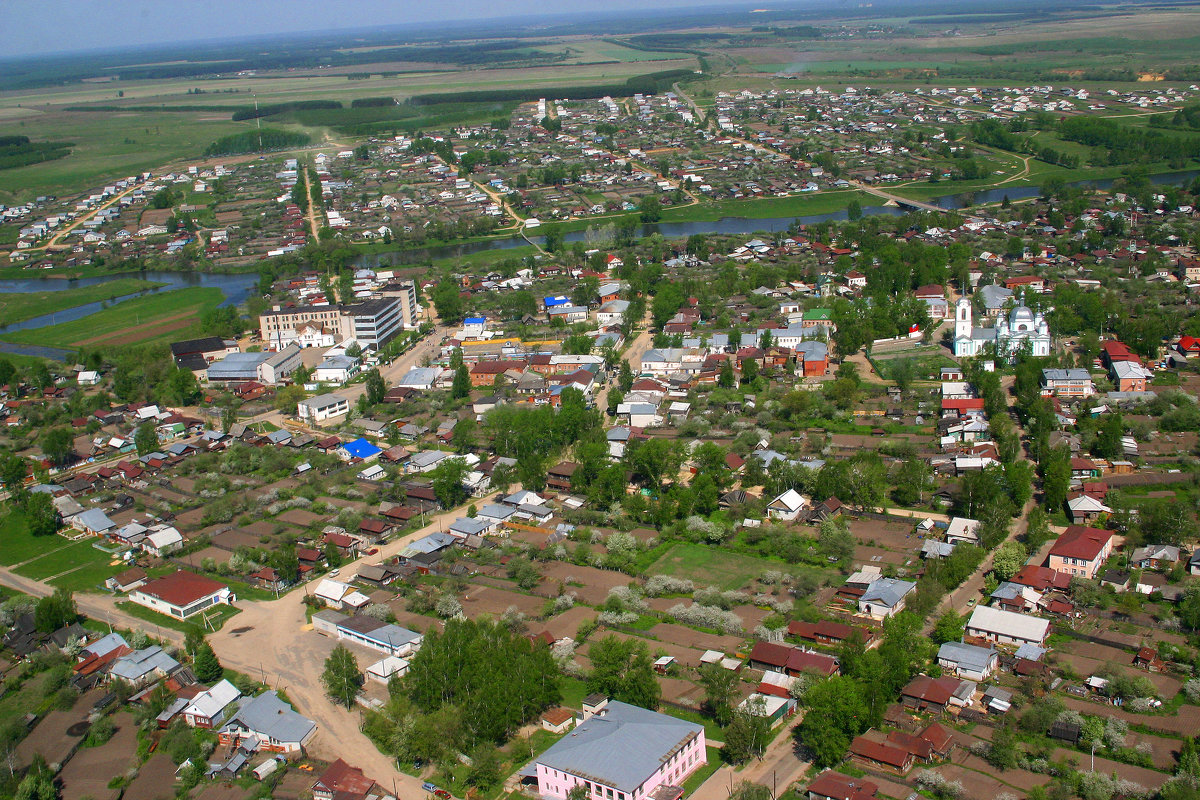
(23, 305)
(792, 206)
(698, 777)
(17, 544)
(74, 555)
(573, 691)
(162, 316)
(711, 566)
(712, 731)
(216, 615)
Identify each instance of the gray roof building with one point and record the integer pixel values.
(887, 591)
(270, 718)
(621, 748)
(967, 659)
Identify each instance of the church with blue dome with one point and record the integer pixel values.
(1006, 338)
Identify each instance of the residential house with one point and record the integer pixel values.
(1006, 627)
(967, 660)
(267, 723)
(208, 709)
(340, 781)
(1080, 551)
(788, 506)
(831, 785)
(1068, 383)
(885, 597)
(1155, 556)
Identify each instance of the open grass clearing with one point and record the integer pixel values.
(210, 619)
(143, 319)
(712, 566)
(74, 555)
(19, 306)
(18, 545)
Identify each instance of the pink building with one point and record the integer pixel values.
(623, 753)
(1080, 551)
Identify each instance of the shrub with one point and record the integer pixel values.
(660, 585)
(707, 617)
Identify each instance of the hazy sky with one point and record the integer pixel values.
(50, 26)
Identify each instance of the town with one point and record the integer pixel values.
(728, 442)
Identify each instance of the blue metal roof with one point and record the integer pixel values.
(361, 448)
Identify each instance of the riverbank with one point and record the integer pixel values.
(19, 306)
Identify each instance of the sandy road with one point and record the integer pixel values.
(273, 642)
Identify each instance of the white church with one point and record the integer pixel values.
(1008, 335)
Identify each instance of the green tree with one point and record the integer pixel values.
(375, 386)
(341, 677)
(205, 664)
(949, 628)
(56, 611)
(58, 445)
(720, 690)
(650, 208)
(623, 670)
(1008, 560)
(462, 383)
(447, 302)
(746, 736)
(146, 438)
(41, 515)
(726, 377)
(447, 480)
(836, 714)
(38, 786)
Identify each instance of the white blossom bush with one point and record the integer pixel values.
(1140, 705)
(1114, 733)
(448, 606)
(1191, 690)
(766, 634)
(618, 617)
(707, 617)
(283, 505)
(937, 783)
(377, 611)
(712, 596)
(564, 602)
(627, 598)
(660, 585)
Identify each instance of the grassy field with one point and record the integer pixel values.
(156, 317)
(767, 207)
(18, 306)
(599, 50)
(711, 566)
(217, 616)
(79, 567)
(17, 544)
(107, 146)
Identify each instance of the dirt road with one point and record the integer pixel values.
(273, 642)
(98, 607)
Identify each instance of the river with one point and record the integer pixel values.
(238, 287)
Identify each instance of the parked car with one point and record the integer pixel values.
(429, 787)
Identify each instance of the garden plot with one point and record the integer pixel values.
(686, 656)
(88, 773)
(1148, 778)
(711, 566)
(489, 600)
(567, 623)
(590, 585)
(155, 780)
